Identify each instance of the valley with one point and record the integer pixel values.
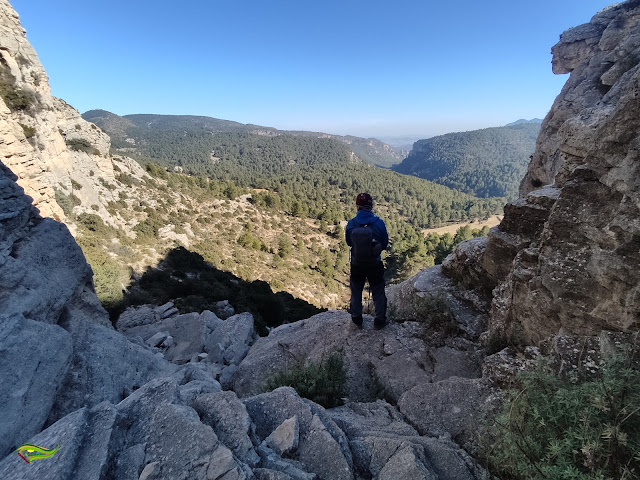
(260, 204)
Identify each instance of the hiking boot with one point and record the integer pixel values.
(379, 324)
(357, 321)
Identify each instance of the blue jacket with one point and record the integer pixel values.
(379, 229)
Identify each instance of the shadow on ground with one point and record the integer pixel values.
(184, 278)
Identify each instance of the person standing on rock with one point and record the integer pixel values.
(367, 236)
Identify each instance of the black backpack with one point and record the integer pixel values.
(364, 248)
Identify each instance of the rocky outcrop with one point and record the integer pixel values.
(372, 358)
(45, 142)
(565, 257)
(35, 357)
(58, 349)
(192, 337)
(384, 446)
(43, 275)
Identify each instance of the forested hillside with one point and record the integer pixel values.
(147, 135)
(486, 163)
(301, 175)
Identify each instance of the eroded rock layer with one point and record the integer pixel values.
(576, 269)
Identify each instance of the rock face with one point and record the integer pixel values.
(45, 141)
(44, 282)
(566, 256)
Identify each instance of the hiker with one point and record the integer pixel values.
(367, 236)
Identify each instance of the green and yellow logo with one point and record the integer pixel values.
(29, 452)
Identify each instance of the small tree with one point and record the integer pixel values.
(284, 246)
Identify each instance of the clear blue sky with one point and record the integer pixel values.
(367, 68)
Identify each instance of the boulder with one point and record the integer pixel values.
(228, 418)
(105, 366)
(173, 441)
(465, 266)
(34, 358)
(406, 463)
(455, 408)
(192, 337)
(319, 436)
(144, 315)
(187, 331)
(377, 434)
(521, 227)
(277, 467)
(83, 438)
(184, 447)
(469, 310)
(284, 439)
(224, 309)
(228, 343)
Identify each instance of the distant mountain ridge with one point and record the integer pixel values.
(485, 163)
(130, 132)
(522, 120)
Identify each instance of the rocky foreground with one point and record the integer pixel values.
(182, 396)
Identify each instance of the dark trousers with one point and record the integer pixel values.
(375, 275)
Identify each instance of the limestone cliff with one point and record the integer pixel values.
(566, 257)
(45, 141)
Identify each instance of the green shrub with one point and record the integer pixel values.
(93, 224)
(80, 145)
(28, 131)
(433, 311)
(36, 78)
(75, 185)
(156, 171)
(106, 184)
(109, 279)
(558, 428)
(322, 383)
(18, 99)
(66, 202)
(15, 98)
(276, 284)
(147, 230)
(126, 179)
(247, 240)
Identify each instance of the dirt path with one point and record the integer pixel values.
(453, 228)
